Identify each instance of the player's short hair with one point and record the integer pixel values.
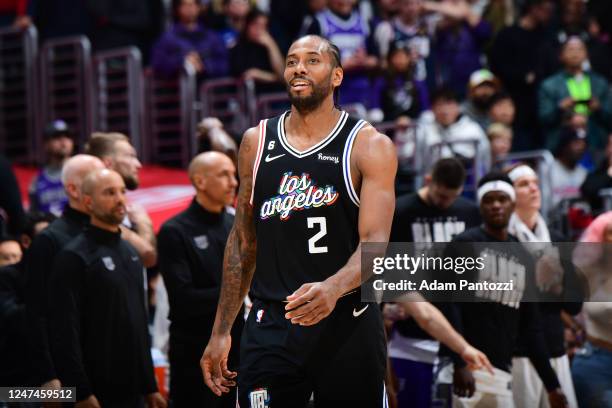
(448, 172)
(103, 144)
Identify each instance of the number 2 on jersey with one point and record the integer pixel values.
(311, 222)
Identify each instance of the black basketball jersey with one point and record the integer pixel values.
(305, 208)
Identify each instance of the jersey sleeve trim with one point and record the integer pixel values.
(346, 162)
(260, 148)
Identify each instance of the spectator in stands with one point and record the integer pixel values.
(256, 55)
(528, 226)
(500, 139)
(61, 18)
(231, 22)
(450, 126)
(599, 179)
(344, 26)
(591, 366)
(502, 109)
(10, 251)
(116, 152)
(97, 314)
(482, 87)
(212, 136)
(576, 23)
(573, 94)
(125, 23)
(11, 214)
(191, 247)
(14, 12)
(461, 36)
(408, 30)
(35, 223)
(499, 13)
(385, 10)
(403, 97)
(188, 41)
(46, 190)
(40, 257)
(521, 56)
(567, 174)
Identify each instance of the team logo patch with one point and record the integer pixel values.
(259, 315)
(108, 262)
(201, 241)
(259, 398)
(297, 193)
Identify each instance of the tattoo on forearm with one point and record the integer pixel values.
(240, 254)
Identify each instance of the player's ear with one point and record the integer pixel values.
(199, 182)
(427, 179)
(337, 76)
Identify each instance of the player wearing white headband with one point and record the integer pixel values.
(528, 225)
(494, 326)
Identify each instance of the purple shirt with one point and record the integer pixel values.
(458, 53)
(170, 50)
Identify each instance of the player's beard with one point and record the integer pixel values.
(309, 103)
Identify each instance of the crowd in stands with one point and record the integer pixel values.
(479, 78)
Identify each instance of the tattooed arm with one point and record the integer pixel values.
(238, 269)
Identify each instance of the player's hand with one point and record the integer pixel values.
(557, 399)
(214, 364)
(566, 103)
(90, 402)
(464, 384)
(476, 359)
(155, 400)
(311, 303)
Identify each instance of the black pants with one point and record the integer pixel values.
(187, 387)
(340, 361)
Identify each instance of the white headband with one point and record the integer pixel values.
(496, 185)
(521, 171)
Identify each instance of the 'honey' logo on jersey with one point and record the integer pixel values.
(297, 193)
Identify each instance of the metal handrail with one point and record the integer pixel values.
(132, 58)
(82, 49)
(29, 48)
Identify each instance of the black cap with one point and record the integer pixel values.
(58, 128)
(568, 135)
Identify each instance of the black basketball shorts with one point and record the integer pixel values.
(339, 362)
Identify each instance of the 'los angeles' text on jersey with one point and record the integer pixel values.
(305, 205)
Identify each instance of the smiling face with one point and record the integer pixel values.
(311, 73)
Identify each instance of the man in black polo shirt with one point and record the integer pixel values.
(190, 247)
(38, 266)
(97, 319)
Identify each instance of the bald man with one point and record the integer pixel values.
(40, 258)
(190, 248)
(97, 319)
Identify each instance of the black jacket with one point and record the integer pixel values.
(38, 262)
(97, 319)
(191, 247)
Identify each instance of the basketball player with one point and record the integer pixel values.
(492, 322)
(314, 185)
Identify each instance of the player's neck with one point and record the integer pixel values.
(313, 125)
(528, 216)
(498, 233)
